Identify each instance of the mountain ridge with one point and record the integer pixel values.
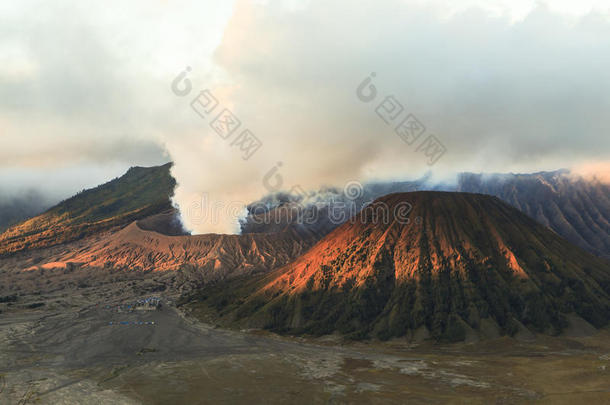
(139, 193)
(575, 208)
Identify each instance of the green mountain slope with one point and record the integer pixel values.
(139, 193)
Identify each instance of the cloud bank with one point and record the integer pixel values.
(85, 92)
(501, 94)
(83, 87)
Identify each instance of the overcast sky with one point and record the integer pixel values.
(85, 90)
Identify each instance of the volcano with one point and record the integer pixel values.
(435, 264)
(140, 193)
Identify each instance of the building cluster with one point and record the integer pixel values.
(112, 323)
(143, 304)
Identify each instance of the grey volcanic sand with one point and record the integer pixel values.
(85, 338)
(74, 356)
(65, 352)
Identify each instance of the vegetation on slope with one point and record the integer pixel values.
(139, 193)
(472, 263)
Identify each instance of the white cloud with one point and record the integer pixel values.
(505, 85)
(501, 93)
(84, 86)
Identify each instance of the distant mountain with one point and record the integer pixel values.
(456, 265)
(17, 208)
(575, 208)
(140, 193)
